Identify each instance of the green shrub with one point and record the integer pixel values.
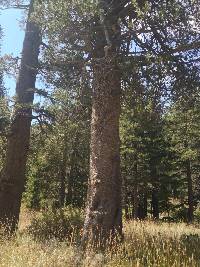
(180, 214)
(62, 224)
(197, 214)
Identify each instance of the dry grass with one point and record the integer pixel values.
(146, 244)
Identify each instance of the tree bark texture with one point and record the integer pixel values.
(103, 222)
(13, 177)
(103, 213)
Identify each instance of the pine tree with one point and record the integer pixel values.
(13, 177)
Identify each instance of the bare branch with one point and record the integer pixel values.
(186, 47)
(15, 7)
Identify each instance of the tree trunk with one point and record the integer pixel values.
(62, 187)
(72, 172)
(63, 173)
(155, 191)
(103, 222)
(135, 197)
(155, 204)
(103, 214)
(145, 205)
(69, 196)
(142, 207)
(190, 191)
(135, 202)
(13, 178)
(125, 199)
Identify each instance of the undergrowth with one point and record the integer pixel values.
(147, 244)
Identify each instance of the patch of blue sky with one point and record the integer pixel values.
(12, 41)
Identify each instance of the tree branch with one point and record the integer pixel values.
(15, 7)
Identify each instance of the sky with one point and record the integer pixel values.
(12, 41)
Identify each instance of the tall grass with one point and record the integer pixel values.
(146, 244)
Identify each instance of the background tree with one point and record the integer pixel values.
(59, 156)
(13, 176)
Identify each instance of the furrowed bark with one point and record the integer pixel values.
(103, 222)
(13, 177)
(103, 214)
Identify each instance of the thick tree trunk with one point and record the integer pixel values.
(190, 191)
(103, 214)
(103, 222)
(13, 178)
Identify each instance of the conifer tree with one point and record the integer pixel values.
(13, 176)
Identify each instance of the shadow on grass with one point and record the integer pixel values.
(191, 243)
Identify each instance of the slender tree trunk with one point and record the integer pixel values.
(69, 197)
(155, 191)
(125, 199)
(135, 200)
(63, 173)
(13, 179)
(62, 187)
(145, 214)
(135, 197)
(190, 191)
(155, 204)
(70, 177)
(142, 207)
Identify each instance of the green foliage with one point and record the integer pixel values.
(183, 133)
(59, 223)
(159, 126)
(4, 114)
(59, 159)
(197, 214)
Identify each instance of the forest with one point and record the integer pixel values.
(100, 144)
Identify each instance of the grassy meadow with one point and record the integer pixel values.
(146, 244)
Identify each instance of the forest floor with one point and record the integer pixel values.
(146, 244)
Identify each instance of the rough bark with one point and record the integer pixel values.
(103, 213)
(103, 222)
(13, 178)
(190, 192)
